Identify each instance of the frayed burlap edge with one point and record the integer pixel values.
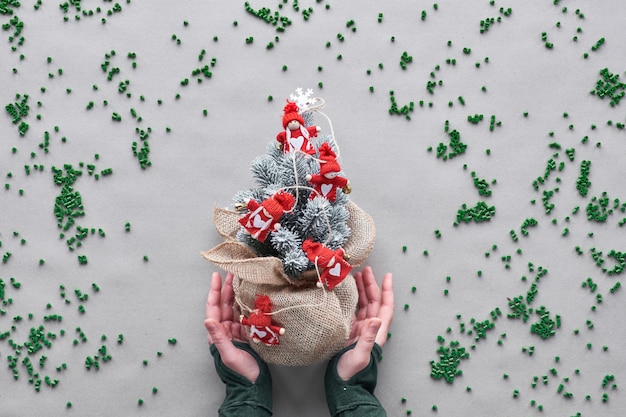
(359, 244)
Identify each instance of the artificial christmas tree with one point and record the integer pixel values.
(294, 238)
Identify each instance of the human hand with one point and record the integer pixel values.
(373, 318)
(223, 330)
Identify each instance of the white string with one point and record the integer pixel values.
(243, 306)
(302, 306)
(315, 107)
(295, 174)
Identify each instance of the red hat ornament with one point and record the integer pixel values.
(295, 136)
(264, 217)
(262, 330)
(328, 180)
(334, 266)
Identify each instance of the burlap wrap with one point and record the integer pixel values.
(317, 322)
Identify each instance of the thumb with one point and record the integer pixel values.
(367, 336)
(216, 334)
(355, 360)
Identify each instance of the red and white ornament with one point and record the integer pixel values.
(264, 217)
(334, 266)
(296, 136)
(328, 180)
(262, 330)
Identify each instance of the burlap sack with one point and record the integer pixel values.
(317, 322)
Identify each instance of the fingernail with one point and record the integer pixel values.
(375, 325)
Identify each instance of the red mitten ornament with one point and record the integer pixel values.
(296, 136)
(328, 180)
(263, 218)
(335, 267)
(261, 328)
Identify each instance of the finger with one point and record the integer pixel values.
(385, 313)
(217, 336)
(387, 290)
(372, 292)
(228, 297)
(361, 311)
(239, 361)
(209, 325)
(238, 332)
(367, 337)
(357, 359)
(236, 312)
(213, 300)
(225, 327)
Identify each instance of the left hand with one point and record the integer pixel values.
(223, 330)
(373, 318)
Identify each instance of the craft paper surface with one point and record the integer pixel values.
(152, 280)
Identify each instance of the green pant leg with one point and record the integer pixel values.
(355, 397)
(243, 398)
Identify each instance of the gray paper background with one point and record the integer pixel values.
(409, 192)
